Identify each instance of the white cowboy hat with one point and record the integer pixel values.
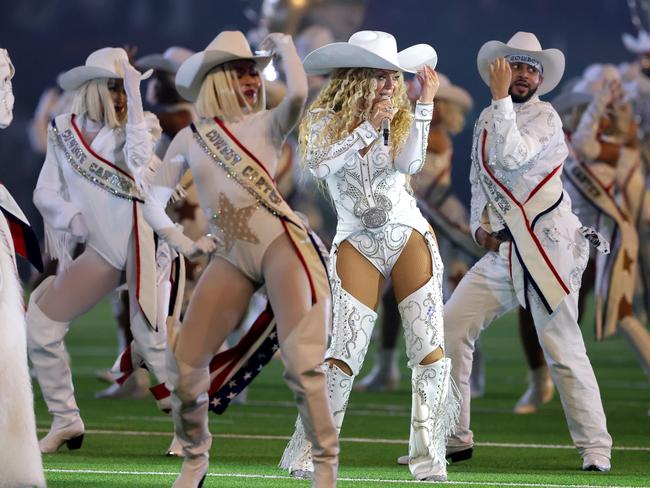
(169, 61)
(639, 44)
(227, 46)
(103, 63)
(454, 93)
(526, 44)
(369, 49)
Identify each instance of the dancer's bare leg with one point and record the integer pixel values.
(87, 280)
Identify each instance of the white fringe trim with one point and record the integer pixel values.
(445, 421)
(59, 245)
(179, 194)
(296, 447)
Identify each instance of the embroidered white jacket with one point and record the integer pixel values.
(524, 143)
(61, 193)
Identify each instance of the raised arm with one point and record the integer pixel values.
(142, 133)
(287, 113)
(324, 158)
(514, 145)
(411, 158)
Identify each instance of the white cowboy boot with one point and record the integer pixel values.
(51, 364)
(189, 402)
(540, 391)
(434, 415)
(297, 456)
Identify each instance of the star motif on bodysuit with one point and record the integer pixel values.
(233, 222)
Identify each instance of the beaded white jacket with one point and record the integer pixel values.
(369, 191)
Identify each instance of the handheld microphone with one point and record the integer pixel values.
(385, 124)
(385, 130)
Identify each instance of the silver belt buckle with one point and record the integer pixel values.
(374, 217)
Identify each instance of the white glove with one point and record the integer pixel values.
(78, 227)
(186, 246)
(132, 79)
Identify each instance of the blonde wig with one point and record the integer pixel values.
(93, 99)
(219, 95)
(348, 95)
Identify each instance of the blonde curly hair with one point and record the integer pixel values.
(346, 100)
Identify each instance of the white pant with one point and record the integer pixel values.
(484, 294)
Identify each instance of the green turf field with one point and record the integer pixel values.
(125, 439)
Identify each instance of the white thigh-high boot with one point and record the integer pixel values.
(51, 363)
(189, 401)
(435, 403)
(352, 329)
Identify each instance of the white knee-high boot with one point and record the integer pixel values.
(353, 324)
(435, 404)
(434, 414)
(189, 401)
(297, 456)
(51, 363)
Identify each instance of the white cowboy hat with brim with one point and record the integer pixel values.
(523, 44)
(454, 93)
(369, 49)
(103, 63)
(639, 44)
(594, 78)
(227, 46)
(169, 61)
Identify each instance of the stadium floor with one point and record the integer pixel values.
(125, 439)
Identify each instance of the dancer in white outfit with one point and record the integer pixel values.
(90, 189)
(538, 252)
(20, 458)
(380, 231)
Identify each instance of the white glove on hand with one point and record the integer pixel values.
(132, 78)
(186, 246)
(78, 228)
